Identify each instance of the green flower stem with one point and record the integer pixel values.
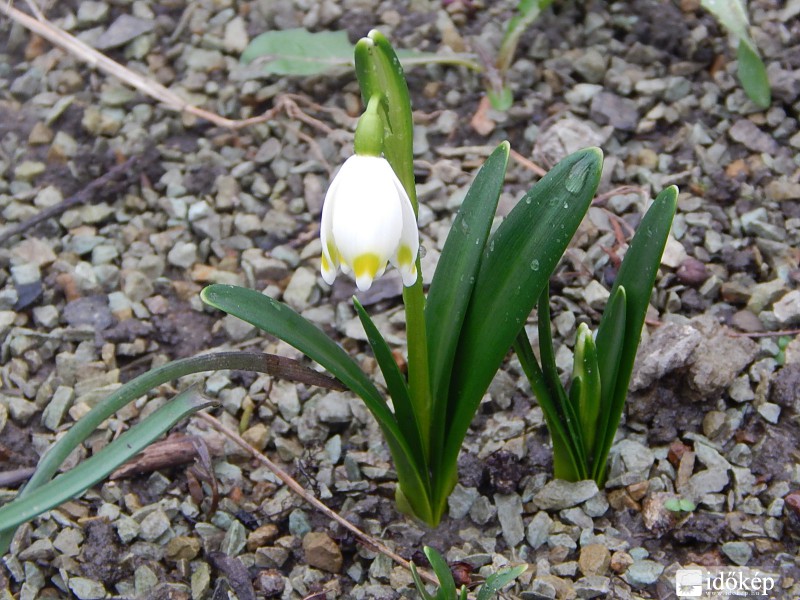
(380, 75)
(418, 374)
(83, 428)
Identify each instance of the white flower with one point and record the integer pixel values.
(367, 221)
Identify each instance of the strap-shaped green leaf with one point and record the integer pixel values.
(80, 478)
(284, 323)
(396, 384)
(420, 584)
(515, 267)
(567, 413)
(753, 74)
(454, 279)
(586, 397)
(447, 585)
(609, 341)
(637, 275)
(565, 456)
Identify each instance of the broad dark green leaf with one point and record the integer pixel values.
(753, 75)
(637, 275)
(396, 384)
(92, 470)
(515, 268)
(284, 323)
(454, 279)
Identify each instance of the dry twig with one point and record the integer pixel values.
(69, 43)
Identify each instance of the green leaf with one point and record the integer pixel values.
(588, 395)
(753, 75)
(56, 455)
(497, 581)
(575, 468)
(454, 279)
(501, 99)
(526, 13)
(447, 586)
(731, 14)
(565, 456)
(610, 340)
(284, 323)
(515, 267)
(637, 275)
(420, 585)
(301, 52)
(281, 321)
(396, 384)
(77, 480)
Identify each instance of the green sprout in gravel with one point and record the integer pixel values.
(447, 585)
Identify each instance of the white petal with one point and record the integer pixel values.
(367, 218)
(405, 256)
(330, 256)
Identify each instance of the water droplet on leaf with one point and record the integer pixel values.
(577, 175)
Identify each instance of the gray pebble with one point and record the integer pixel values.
(621, 113)
(183, 254)
(86, 589)
(592, 586)
(739, 552)
(538, 529)
(509, 513)
(643, 573)
(299, 524)
(334, 408)
(559, 494)
(154, 525)
(482, 511)
(124, 29)
(747, 133)
(460, 501)
(59, 404)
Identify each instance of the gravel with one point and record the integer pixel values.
(109, 288)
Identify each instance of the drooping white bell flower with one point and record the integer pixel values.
(367, 221)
